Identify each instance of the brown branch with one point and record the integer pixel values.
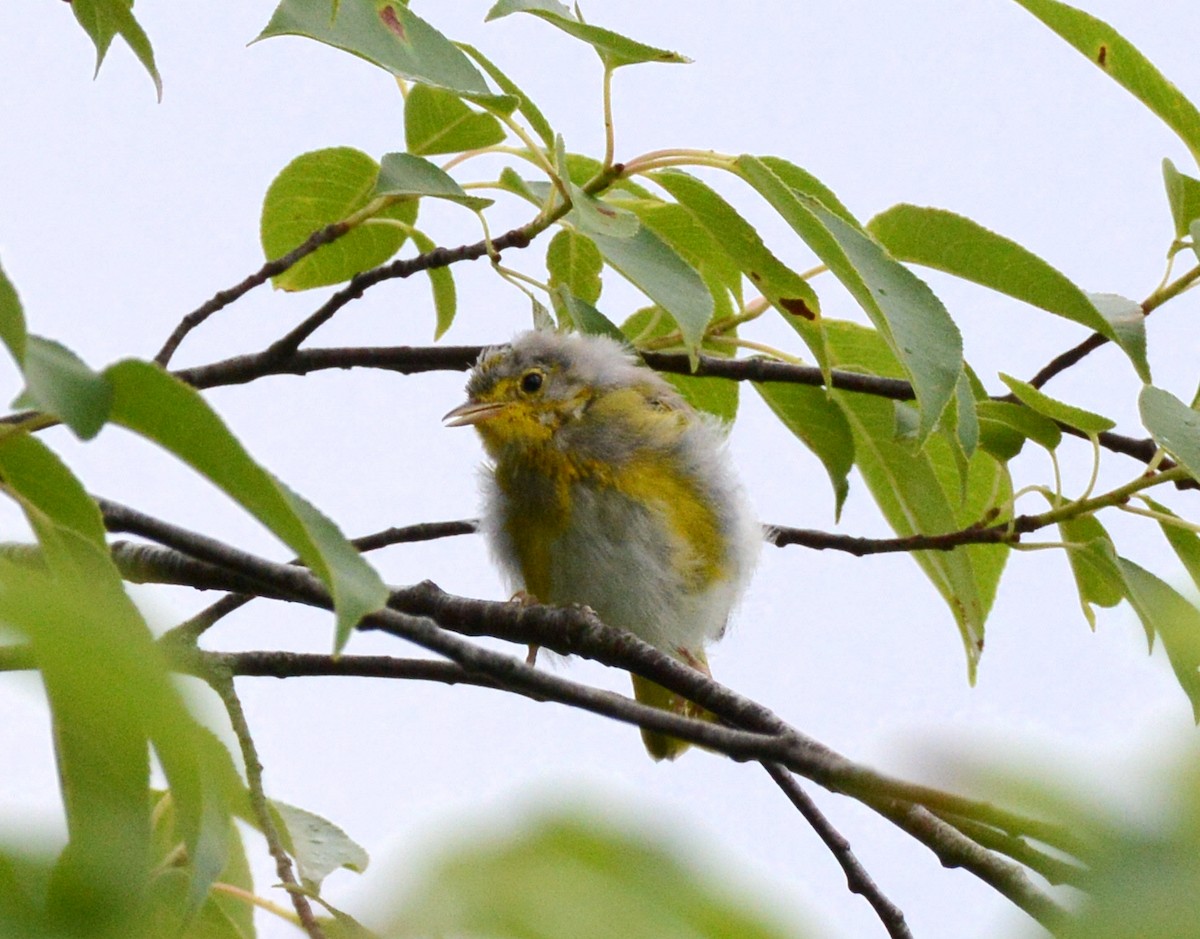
(410, 360)
(190, 630)
(857, 878)
(222, 684)
(276, 664)
(756, 733)
(404, 267)
(223, 298)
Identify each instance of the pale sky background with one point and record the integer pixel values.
(118, 215)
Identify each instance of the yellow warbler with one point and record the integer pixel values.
(607, 489)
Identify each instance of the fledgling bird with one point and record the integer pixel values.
(607, 489)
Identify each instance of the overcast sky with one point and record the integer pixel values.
(119, 214)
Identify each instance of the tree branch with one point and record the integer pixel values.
(222, 684)
(223, 298)
(857, 878)
(756, 733)
(409, 360)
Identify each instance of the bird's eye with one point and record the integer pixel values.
(531, 382)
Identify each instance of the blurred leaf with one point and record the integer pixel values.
(60, 383)
(919, 491)
(1087, 421)
(391, 36)
(1022, 420)
(1183, 195)
(525, 106)
(318, 846)
(563, 876)
(614, 49)
(169, 915)
(1097, 577)
(441, 280)
(12, 319)
(903, 308)
(574, 263)
(157, 406)
(52, 496)
(1174, 426)
(817, 420)
(104, 19)
(959, 246)
(437, 121)
(1165, 613)
(1114, 54)
(716, 396)
(402, 174)
(110, 694)
(315, 190)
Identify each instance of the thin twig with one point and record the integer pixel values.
(857, 878)
(223, 298)
(222, 684)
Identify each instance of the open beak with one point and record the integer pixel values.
(472, 412)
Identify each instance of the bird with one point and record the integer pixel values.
(605, 488)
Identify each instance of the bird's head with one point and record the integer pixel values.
(521, 395)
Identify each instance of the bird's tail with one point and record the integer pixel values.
(663, 746)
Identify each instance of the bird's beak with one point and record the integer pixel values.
(472, 412)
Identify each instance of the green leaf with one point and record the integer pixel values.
(525, 106)
(173, 415)
(391, 36)
(437, 121)
(574, 263)
(1115, 55)
(959, 246)
(652, 266)
(782, 286)
(60, 383)
(1087, 421)
(693, 242)
(402, 174)
(902, 307)
(1183, 195)
(1185, 542)
(818, 422)
(110, 694)
(713, 395)
(1097, 577)
(441, 280)
(584, 317)
(1024, 421)
(318, 846)
(569, 876)
(919, 490)
(1174, 426)
(1128, 323)
(50, 493)
(532, 191)
(104, 19)
(1167, 614)
(315, 190)
(614, 49)
(12, 319)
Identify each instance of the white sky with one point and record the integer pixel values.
(118, 215)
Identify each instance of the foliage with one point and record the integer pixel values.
(889, 395)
